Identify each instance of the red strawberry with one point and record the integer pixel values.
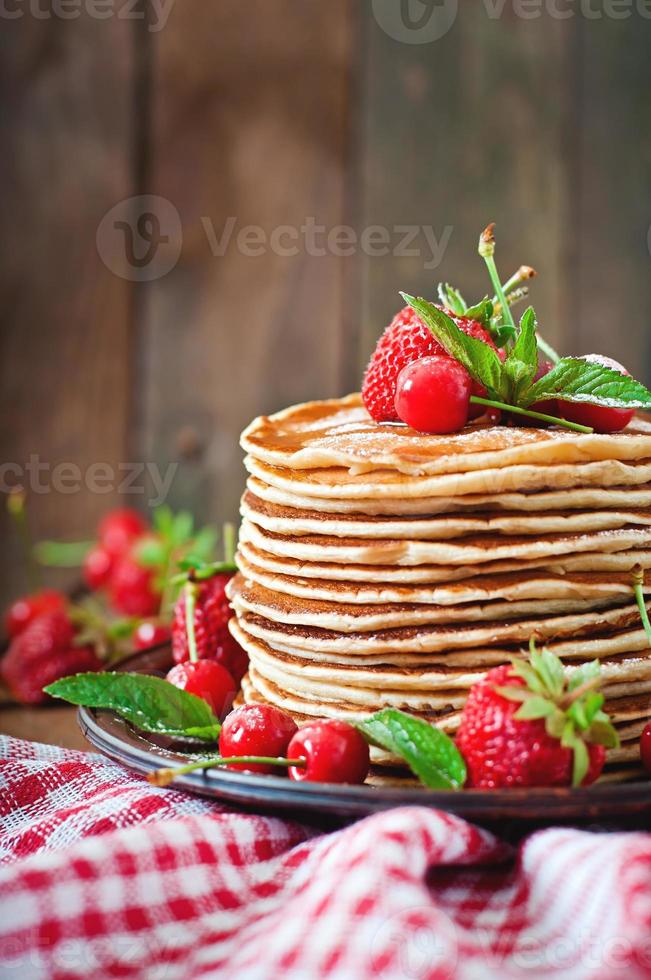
(530, 725)
(132, 587)
(407, 339)
(97, 567)
(118, 530)
(211, 616)
(43, 653)
(25, 610)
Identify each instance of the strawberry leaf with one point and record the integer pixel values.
(535, 707)
(152, 552)
(181, 530)
(451, 298)
(480, 360)
(430, 753)
(575, 380)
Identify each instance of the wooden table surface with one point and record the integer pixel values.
(53, 724)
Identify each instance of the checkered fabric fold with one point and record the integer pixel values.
(102, 875)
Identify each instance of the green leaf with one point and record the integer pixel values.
(503, 334)
(522, 360)
(586, 672)
(513, 693)
(581, 761)
(163, 519)
(451, 298)
(555, 724)
(576, 712)
(149, 703)
(480, 360)
(528, 674)
(603, 732)
(482, 312)
(592, 705)
(535, 707)
(151, 552)
(204, 544)
(429, 752)
(575, 380)
(182, 527)
(62, 554)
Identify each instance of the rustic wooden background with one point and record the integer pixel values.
(272, 112)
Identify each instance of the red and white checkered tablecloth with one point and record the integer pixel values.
(102, 875)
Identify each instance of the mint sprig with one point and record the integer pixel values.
(430, 754)
(510, 384)
(576, 380)
(150, 703)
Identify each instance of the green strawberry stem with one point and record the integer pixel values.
(230, 543)
(190, 606)
(552, 419)
(18, 514)
(487, 252)
(163, 777)
(638, 589)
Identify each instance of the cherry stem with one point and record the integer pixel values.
(638, 589)
(524, 273)
(190, 606)
(487, 252)
(163, 777)
(552, 419)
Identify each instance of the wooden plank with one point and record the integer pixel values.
(251, 126)
(64, 318)
(467, 129)
(613, 196)
(50, 725)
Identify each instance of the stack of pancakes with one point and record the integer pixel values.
(382, 567)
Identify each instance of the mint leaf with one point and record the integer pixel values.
(482, 312)
(480, 360)
(575, 380)
(430, 753)
(149, 703)
(451, 298)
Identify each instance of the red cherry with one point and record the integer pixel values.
(28, 607)
(118, 530)
(432, 395)
(150, 634)
(645, 747)
(208, 680)
(256, 729)
(334, 752)
(596, 416)
(97, 567)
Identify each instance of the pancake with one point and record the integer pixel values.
(621, 562)
(536, 584)
(431, 639)
(577, 498)
(342, 484)
(469, 550)
(340, 433)
(348, 618)
(286, 521)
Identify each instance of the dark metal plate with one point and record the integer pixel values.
(608, 804)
